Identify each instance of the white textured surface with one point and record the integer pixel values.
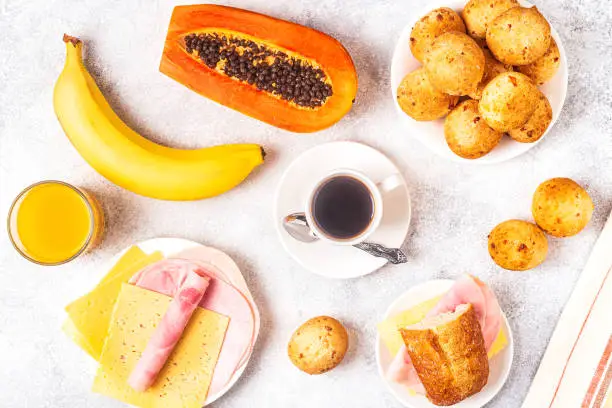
(455, 206)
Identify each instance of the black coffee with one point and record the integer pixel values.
(343, 207)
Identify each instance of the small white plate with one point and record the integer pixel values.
(431, 134)
(172, 246)
(336, 261)
(499, 366)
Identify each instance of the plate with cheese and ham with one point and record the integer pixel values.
(172, 323)
(445, 343)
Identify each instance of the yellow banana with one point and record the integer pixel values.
(132, 161)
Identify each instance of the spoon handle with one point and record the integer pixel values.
(393, 255)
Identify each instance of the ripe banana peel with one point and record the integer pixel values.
(132, 161)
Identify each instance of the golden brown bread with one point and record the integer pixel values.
(449, 355)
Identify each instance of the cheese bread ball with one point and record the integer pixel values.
(455, 64)
(436, 22)
(420, 100)
(519, 36)
(467, 134)
(544, 68)
(318, 345)
(508, 101)
(517, 245)
(478, 14)
(537, 124)
(561, 207)
(492, 69)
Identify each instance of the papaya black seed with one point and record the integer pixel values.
(290, 78)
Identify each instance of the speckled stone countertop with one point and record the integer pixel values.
(454, 205)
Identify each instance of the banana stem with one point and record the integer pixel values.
(73, 40)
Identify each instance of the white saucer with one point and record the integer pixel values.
(499, 366)
(431, 134)
(334, 261)
(172, 246)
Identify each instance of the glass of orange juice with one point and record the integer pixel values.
(52, 222)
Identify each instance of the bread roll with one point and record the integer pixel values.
(466, 134)
(436, 22)
(418, 98)
(519, 36)
(449, 355)
(455, 63)
(318, 345)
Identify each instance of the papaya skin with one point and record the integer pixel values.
(310, 44)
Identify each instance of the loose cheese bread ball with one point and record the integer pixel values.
(436, 22)
(544, 68)
(318, 345)
(561, 207)
(420, 100)
(508, 101)
(519, 36)
(478, 14)
(517, 245)
(492, 69)
(455, 64)
(537, 124)
(467, 134)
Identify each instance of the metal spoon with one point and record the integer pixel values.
(297, 226)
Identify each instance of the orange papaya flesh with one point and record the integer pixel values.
(282, 73)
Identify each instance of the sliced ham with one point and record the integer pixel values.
(466, 289)
(169, 331)
(402, 371)
(221, 297)
(493, 319)
(222, 266)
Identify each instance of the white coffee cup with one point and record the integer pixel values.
(377, 190)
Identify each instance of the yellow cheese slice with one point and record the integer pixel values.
(74, 335)
(388, 329)
(185, 379)
(131, 256)
(392, 339)
(90, 314)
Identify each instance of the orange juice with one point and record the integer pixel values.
(53, 222)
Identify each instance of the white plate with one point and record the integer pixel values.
(172, 246)
(499, 366)
(335, 261)
(431, 134)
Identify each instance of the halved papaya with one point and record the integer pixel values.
(279, 72)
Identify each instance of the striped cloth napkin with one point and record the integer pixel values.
(576, 371)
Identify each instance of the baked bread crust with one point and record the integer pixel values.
(449, 355)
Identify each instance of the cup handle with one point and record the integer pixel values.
(390, 183)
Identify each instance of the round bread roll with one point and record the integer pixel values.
(455, 64)
(318, 345)
(466, 134)
(517, 245)
(519, 36)
(508, 101)
(420, 100)
(434, 23)
(478, 14)
(492, 69)
(561, 207)
(544, 68)
(537, 124)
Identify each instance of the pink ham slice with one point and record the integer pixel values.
(402, 371)
(467, 289)
(493, 319)
(221, 297)
(169, 331)
(223, 267)
(464, 290)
